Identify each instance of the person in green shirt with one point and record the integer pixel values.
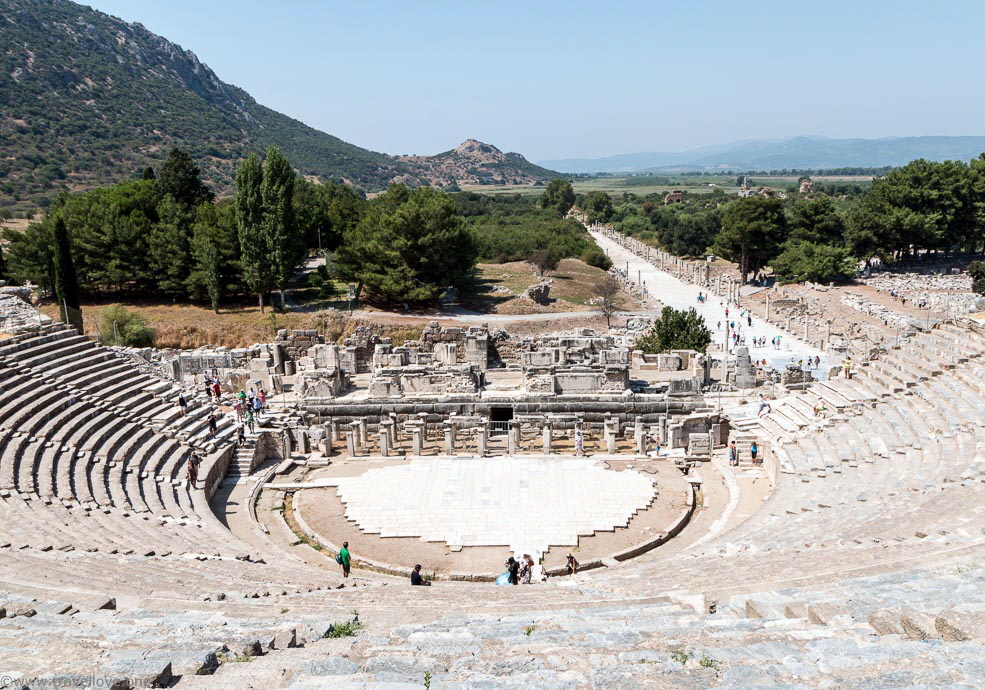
(344, 559)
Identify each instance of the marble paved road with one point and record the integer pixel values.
(675, 293)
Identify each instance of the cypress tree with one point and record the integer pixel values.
(254, 249)
(279, 224)
(66, 281)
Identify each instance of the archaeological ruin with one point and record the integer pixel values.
(844, 552)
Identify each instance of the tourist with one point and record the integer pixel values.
(847, 366)
(733, 454)
(257, 406)
(513, 569)
(208, 387)
(416, 579)
(240, 435)
(213, 425)
(719, 327)
(579, 441)
(242, 396)
(182, 404)
(192, 471)
(754, 451)
(571, 565)
(764, 407)
(263, 397)
(238, 407)
(217, 389)
(817, 361)
(250, 421)
(344, 559)
(524, 573)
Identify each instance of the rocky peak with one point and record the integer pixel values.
(472, 148)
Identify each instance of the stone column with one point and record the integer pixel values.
(548, 434)
(609, 429)
(449, 441)
(480, 436)
(639, 436)
(511, 434)
(350, 443)
(363, 433)
(418, 443)
(356, 438)
(278, 349)
(336, 430)
(384, 441)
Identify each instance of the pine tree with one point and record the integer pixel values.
(214, 248)
(169, 246)
(66, 281)
(254, 248)
(180, 177)
(280, 227)
(409, 246)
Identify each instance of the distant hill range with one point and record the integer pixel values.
(89, 99)
(793, 153)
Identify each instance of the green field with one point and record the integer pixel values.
(698, 184)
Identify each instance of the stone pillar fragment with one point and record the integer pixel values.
(449, 441)
(548, 435)
(480, 436)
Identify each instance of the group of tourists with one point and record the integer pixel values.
(249, 406)
(733, 453)
(520, 572)
(213, 387)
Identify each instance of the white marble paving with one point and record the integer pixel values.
(525, 504)
(680, 295)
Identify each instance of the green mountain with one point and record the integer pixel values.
(89, 99)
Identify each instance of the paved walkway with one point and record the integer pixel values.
(680, 295)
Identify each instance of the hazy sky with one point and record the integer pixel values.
(583, 79)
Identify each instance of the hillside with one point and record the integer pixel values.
(90, 99)
(473, 162)
(791, 153)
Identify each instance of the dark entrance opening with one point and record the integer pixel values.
(499, 419)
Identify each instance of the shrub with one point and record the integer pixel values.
(117, 326)
(345, 629)
(676, 330)
(597, 258)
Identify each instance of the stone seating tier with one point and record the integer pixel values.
(874, 528)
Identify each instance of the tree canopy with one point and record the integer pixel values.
(408, 247)
(752, 229)
(676, 329)
(558, 195)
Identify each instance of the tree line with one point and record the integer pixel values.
(919, 209)
(165, 234)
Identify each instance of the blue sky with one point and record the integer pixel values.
(585, 79)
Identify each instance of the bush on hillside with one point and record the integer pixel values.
(117, 326)
(597, 258)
